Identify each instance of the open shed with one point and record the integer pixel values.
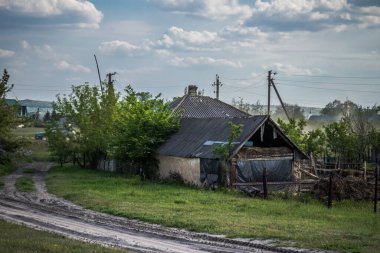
(262, 144)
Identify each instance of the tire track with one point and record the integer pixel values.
(49, 212)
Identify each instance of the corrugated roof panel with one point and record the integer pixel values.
(194, 132)
(205, 107)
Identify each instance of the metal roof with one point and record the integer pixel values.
(193, 106)
(195, 135)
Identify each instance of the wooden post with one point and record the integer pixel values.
(233, 171)
(329, 200)
(365, 171)
(265, 186)
(375, 197)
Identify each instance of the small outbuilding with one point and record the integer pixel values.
(205, 124)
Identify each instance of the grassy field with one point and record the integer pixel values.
(6, 169)
(39, 150)
(20, 239)
(28, 132)
(348, 226)
(25, 184)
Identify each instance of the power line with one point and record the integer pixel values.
(319, 82)
(319, 88)
(343, 77)
(243, 79)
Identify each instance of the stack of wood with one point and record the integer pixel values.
(354, 188)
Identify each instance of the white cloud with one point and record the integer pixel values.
(178, 61)
(210, 9)
(6, 53)
(81, 14)
(177, 37)
(123, 46)
(289, 69)
(311, 15)
(64, 65)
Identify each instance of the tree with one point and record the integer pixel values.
(294, 130)
(340, 139)
(142, 123)
(47, 117)
(313, 141)
(88, 113)
(294, 111)
(224, 150)
(241, 105)
(8, 118)
(337, 108)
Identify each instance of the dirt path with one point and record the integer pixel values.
(48, 212)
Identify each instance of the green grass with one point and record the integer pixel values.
(25, 184)
(21, 239)
(28, 132)
(6, 169)
(348, 226)
(28, 170)
(39, 148)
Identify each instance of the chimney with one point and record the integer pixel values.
(192, 90)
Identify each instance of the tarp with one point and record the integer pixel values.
(209, 171)
(252, 171)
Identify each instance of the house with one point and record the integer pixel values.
(22, 109)
(193, 106)
(261, 144)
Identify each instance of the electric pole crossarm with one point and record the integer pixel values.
(279, 98)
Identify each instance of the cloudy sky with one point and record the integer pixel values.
(321, 49)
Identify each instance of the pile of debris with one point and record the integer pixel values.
(350, 187)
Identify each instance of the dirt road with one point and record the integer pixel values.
(48, 212)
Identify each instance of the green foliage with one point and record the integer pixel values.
(25, 184)
(87, 132)
(310, 142)
(141, 124)
(6, 168)
(294, 111)
(224, 150)
(8, 118)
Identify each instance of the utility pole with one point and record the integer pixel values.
(217, 83)
(109, 75)
(269, 84)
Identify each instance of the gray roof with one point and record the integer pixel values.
(193, 106)
(194, 133)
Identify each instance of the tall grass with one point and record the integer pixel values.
(348, 226)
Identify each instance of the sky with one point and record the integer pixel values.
(320, 50)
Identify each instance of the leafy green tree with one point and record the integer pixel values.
(88, 113)
(8, 118)
(313, 141)
(340, 140)
(339, 108)
(294, 111)
(294, 129)
(224, 150)
(142, 123)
